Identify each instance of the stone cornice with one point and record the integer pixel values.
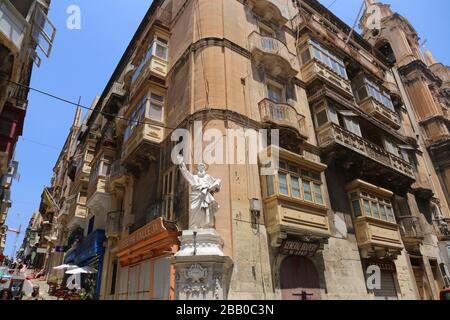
(418, 65)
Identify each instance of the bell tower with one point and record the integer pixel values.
(424, 79)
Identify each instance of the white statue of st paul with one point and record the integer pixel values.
(203, 206)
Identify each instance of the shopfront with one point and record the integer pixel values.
(388, 288)
(145, 272)
(89, 253)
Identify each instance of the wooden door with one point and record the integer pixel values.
(299, 279)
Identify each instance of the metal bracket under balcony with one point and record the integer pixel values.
(273, 56)
(282, 115)
(362, 158)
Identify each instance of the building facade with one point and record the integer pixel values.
(25, 34)
(358, 187)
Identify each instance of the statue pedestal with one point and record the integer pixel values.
(202, 272)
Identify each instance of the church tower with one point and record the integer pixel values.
(426, 81)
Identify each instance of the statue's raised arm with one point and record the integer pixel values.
(185, 172)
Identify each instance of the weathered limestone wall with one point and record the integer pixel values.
(407, 288)
(343, 270)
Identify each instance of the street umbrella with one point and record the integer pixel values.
(88, 270)
(65, 266)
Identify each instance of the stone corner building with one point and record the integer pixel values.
(363, 177)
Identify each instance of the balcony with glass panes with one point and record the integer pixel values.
(154, 61)
(375, 101)
(354, 140)
(145, 127)
(294, 198)
(98, 196)
(76, 206)
(320, 63)
(377, 231)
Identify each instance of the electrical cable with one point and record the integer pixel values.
(84, 107)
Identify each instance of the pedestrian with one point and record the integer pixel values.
(35, 294)
(5, 294)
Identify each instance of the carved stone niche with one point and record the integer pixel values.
(202, 277)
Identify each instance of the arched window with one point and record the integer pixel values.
(385, 49)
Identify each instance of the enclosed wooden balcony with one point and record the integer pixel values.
(373, 160)
(374, 108)
(293, 199)
(76, 208)
(283, 115)
(411, 230)
(13, 26)
(377, 232)
(273, 56)
(315, 70)
(98, 196)
(143, 142)
(268, 11)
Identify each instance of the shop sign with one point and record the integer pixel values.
(299, 248)
(146, 232)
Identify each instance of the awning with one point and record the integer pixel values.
(87, 270)
(65, 266)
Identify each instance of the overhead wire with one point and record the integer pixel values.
(93, 110)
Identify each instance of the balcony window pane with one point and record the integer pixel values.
(375, 210)
(307, 191)
(352, 125)
(317, 54)
(275, 93)
(383, 213)
(362, 93)
(156, 112)
(269, 183)
(356, 208)
(334, 65)
(333, 115)
(161, 52)
(367, 208)
(321, 117)
(318, 194)
(282, 180)
(295, 185)
(390, 214)
(306, 56)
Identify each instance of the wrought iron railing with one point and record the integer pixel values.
(272, 46)
(338, 134)
(410, 227)
(282, 114)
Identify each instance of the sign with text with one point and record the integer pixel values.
(299, 248)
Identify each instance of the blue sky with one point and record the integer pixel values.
(83, 60)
